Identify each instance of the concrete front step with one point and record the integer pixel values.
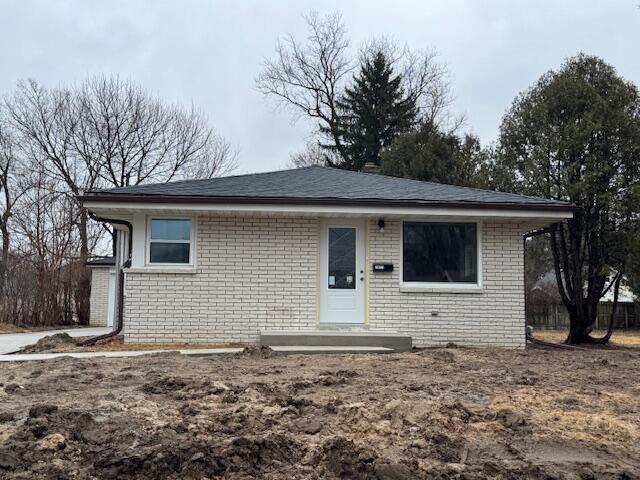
(395, 342)
(308, 349)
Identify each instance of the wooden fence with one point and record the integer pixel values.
(555, 316)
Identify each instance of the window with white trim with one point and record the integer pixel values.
(440, 253)
(170, 241)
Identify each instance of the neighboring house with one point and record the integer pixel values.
(546, 310)
(322, 249)
(103, 291)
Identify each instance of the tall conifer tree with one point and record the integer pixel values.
(374, 111)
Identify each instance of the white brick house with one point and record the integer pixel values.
(226, 259)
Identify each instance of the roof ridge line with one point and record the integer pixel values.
(475, 189)
(193, 180)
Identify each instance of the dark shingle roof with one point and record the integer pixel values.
(319, 184)
(102, 262)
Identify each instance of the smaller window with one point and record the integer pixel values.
(170, 241)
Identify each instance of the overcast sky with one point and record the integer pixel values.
(209, 52)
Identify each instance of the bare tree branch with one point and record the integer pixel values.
(311, 76)
(313, 154)
(105, 133)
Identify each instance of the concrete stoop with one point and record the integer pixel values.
(349, 340)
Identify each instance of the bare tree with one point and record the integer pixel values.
(131, 137)
(109, 133)
(313, 154)
(45, 286)
(6, 200)
(311, 76)
(219, 158)
(12, 188)
(46, 123)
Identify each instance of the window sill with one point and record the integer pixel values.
(476, 289)
(189, 270)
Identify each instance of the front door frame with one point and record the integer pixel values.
(331, 316)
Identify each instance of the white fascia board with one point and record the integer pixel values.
(119, 209)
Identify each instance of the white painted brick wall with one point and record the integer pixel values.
(258, 274)
(99, 296)
(253, 274)
(494, 316)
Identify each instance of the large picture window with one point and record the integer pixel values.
(170, 241)
(438, 252)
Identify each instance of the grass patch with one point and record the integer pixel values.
(10, 328)
(621, 338)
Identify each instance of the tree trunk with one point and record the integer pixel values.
(581, 323)
(577, 330)
(4, 263)
(614, 309)
(581, 302)
(5, 258)
(580, 328)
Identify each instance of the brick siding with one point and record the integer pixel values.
(493, 317)
(99, 298)
(253, 274)
(261, 273)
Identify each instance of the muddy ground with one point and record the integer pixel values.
(64, 343)
(437, 414)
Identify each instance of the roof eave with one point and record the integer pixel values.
(210, 200)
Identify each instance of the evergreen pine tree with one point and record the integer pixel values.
(374, 111)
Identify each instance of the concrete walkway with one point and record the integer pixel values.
(26, 357)
(302, 349)
(12, 342)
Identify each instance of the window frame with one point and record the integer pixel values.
(430, 286)
(191, 242)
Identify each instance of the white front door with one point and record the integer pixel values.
(342, 272)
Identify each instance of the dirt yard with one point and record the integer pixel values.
(64, 343)
(434, 414)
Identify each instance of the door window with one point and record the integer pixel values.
(342, 258)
